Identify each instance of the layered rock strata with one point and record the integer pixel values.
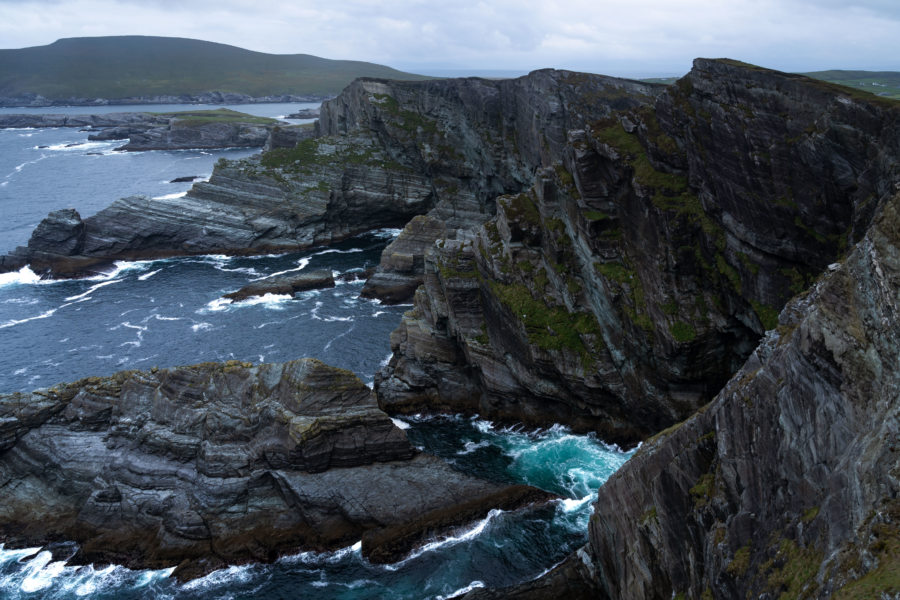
(387, 151)
(636, 276)
(289, 199)
(787, 484)
(212, 464)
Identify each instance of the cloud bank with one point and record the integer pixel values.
(618, 37)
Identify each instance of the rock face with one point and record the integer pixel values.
(182, 136)
(638, 273)
(788, 482)
(286, 284)
(475, 139)
(387, 151)
(219, 463)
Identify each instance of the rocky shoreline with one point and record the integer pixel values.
(156, 131)
(711, 268)
(217, 463)
(38, 101)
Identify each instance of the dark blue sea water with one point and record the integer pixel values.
(170, 312)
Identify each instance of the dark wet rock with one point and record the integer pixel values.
(357, 274)
(285, 284)
(574, 579)
(185, 179)
(211, 464)
(305, 113)
(789, 480)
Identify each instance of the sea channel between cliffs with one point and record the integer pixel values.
(595, 252)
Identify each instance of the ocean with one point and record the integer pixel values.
(171, 312)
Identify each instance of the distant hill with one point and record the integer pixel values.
(145, 66)
(881, 83)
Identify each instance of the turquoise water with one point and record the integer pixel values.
(502, 549)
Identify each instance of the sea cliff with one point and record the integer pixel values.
(715, 260)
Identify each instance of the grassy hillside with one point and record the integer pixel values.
(124, 66)
(881, 83)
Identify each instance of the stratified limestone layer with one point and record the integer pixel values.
(211, 464)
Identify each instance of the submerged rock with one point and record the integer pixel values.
(211, 464)
(286, 284)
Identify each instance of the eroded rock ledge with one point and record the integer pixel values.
(212, 464)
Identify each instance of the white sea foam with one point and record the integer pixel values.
(79, 146)
(338, 251)
(386, 233)
(23, 276)
(91, 290)
(569, 505)
(301, 264)
(400, 424)
(174, 196)
(222, 577)
(471, 447)
(14, 322)
(147, 276)
(450, 540)
(40, 572)
(462, 591)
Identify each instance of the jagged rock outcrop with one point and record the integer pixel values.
(284, 284)
(475, 139)
(215, 463)
(318, 192)
(183, 135)
(788, 482)
(623, 290)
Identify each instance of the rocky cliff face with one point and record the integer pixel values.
(637, 274)
(212, 464)
(787, 484)
(474, 139)
(387, 151)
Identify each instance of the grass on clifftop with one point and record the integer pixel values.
(219, 115)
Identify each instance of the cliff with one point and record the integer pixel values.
(386, 152)
(625, 287)
(212, 464)
(787, 483)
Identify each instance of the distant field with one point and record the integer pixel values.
(143, 66)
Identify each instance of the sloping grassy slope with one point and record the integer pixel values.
(124, 66)
(882, 83)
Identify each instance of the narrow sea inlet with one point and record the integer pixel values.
(171, 312)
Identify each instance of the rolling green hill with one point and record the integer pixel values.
(881, 83)
(129, 66)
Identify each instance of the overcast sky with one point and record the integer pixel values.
(616, 37)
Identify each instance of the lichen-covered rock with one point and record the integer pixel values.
(211, 464)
